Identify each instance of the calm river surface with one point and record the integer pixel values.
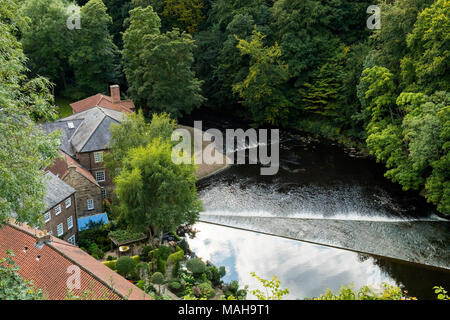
(317, 180)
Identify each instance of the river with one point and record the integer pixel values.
(355, 226)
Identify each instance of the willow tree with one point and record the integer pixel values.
(154, 193)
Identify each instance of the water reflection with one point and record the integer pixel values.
(306, 269)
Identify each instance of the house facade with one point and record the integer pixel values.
(85, 140)
(89, 195)
(60, 215)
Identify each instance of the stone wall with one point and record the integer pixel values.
(85, 189)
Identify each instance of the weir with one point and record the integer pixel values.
(415, 241)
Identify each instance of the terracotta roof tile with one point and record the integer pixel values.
(50, 272)
(100, 100)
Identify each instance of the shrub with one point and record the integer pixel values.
(124, 266)
(176, 269)
(144, 253)
(110, 264)
(222, 271)
(136, 259)
(161, 266)
(163, 252)
(196, 266)
(95, 251)
(110, 258)
(157, 278)
(175, 286)
(175, 257)
(141, 284)
(142, 269)
(184, 245)
(214, 275)
(206, 290)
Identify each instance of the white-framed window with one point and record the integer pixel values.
(98, 156)
(68, 202)
(100, 176)
(72, 240)
(104, 194)
(60, 229)
(90, 204)
(50, 232)
(69, 223)
(47, 217)
(58, 209)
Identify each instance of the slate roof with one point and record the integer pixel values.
(90, 130)
(93, 133)
(50, 272)
(67, 132)
(100, 100)
(56, 190)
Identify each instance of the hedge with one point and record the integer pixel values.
(174, 257)
(110, 264)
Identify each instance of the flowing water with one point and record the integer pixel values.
(330, 199)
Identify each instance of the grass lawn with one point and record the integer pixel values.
(63, 107)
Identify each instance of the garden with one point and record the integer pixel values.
(164, 269)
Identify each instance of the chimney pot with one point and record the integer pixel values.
(115, 93)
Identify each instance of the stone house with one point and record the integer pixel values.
(60, 215)
(89, 199)
(84, 141)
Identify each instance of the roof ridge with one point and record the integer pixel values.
(61, 242)
(95, 129)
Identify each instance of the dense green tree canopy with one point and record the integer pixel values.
(25, 150)
(94, 61)
(158, 66)
(155, 193)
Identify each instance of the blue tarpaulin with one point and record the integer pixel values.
(84, 222)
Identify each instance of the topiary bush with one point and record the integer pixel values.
(158, 278)
(125, 266)
(175, 286)
(136, 259)
(196, 266)
(174, 257)
(110, 264)
(207, 290)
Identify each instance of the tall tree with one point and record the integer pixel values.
(47, 41)
(133, 132)
(262, 89)
(156, 194)
(427, 66)
(94, 57)
(188, 14)
(25, 150)
(159, 66)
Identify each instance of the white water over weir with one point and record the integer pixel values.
(416, 241)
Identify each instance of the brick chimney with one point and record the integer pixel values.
(115, 93)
